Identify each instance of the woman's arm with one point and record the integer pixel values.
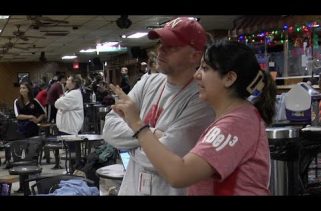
(179, 172)
(37, 120)
(25, 117)
(17, 112)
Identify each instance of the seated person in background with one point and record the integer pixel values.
(108, 100)
(147, 68)
(142, 70)
(152, 63)
(28, 111)
(104, 94)
(124, 83)
(101, 91)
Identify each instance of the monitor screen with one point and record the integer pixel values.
(125, 158)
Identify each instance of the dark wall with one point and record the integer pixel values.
(137, 53)
(95, 64)
(9, 76)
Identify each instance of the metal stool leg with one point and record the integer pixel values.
(47, 155)
(25, 185)
(57, 160)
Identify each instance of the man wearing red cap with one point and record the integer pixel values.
(181, 32)
(168, 104)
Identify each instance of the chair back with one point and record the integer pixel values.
(3, 125)
(9, 128)
(27, 150)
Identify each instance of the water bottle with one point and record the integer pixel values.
(93, 97)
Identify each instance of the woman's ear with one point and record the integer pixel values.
(229, 79)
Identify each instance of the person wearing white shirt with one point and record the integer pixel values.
(70, 115)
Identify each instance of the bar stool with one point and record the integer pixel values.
(24, 172)
(1, 148)
(26, 156)
(55, 147)
(48, 129)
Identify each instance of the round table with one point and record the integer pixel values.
(115, 171)
(110, 178)
(47, 128)
(76, 140)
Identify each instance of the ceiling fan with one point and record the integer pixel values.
(41, 21)
(5, 51)
(27, 48)
(10, 45)
(21, 35)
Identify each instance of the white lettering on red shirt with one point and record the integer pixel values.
(219, 140)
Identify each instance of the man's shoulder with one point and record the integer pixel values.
(153, 78)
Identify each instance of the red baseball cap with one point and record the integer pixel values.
(180, 32)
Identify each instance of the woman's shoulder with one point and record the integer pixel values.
(243, 112)
(15, 102)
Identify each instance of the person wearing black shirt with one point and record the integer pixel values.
(124, 83)
(28, 111)
(104, 94)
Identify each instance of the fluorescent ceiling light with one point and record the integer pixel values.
(109, 47)
(105, 44)
(90, 50)
(137, 35)
(101, 47)
(4, 16)
(68, 57)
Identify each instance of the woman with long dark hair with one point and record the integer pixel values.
(28, 111)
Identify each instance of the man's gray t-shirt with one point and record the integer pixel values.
(182, 120)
